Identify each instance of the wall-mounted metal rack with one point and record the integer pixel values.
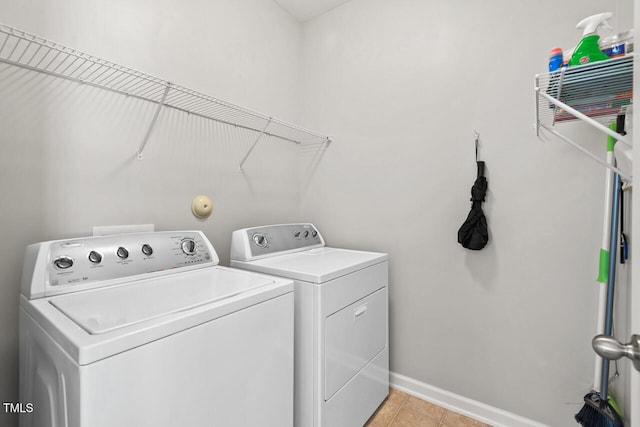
(21, 49)
(599, 89)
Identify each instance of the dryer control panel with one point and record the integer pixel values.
(63, 266)
(259, 242)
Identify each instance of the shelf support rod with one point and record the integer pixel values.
(246, 156)
(559, 95)
(154, 119)
(536, 88)
(585, 118)
(587, 152)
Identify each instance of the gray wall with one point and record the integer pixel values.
(67, 159)
(403, 85)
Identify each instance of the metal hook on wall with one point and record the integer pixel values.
(476, 138)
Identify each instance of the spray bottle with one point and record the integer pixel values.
(588, 49)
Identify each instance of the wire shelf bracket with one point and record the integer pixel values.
(153, 121)
(246, 156)
(30, 52)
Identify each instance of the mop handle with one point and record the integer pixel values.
(611, 280)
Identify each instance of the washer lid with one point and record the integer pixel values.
(317, 265)
(112, 308)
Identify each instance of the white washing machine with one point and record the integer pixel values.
(341, 320)
(147, 330)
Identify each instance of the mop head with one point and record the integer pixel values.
(598, 413)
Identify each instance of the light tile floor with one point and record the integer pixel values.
(403, 410)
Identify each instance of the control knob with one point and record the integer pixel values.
(260, 240)
(63, 262)
(147, 249)
(188, 247)
(95, 257)
(122, 253)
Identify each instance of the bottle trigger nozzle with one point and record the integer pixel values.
(591, 23)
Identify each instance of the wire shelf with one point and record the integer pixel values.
(21, 49)
(583, 92)
(598, 89)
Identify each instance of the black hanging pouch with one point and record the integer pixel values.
(474, 233)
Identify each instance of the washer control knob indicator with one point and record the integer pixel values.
(188, 246)
(314, 234)
(147, 249)
(63, 262)
(296, 234)
(95, 257)
(122, 253)
(306, 233)
(260, 240)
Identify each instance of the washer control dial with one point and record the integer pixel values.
(147, 249)
(63, 262)
(189, 246)
(260, 240)
(122, 252)
(95, 257)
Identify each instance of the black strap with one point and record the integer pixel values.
(623, 237)
(620, 124)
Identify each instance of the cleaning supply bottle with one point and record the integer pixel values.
(555, 59)
(617, 45)
(588, 49)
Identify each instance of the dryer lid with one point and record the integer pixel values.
(317, 265)
(107, 309)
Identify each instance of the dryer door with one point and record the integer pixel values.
(353, 337)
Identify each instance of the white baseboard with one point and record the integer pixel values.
(460, 404)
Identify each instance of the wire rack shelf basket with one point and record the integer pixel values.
(590, 93)
(597, 89)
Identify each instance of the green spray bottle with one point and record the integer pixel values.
(588, 49)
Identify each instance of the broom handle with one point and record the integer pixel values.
(611, 280)
(603, 264)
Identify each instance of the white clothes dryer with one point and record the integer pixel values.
(341, 320)
(147, 330)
